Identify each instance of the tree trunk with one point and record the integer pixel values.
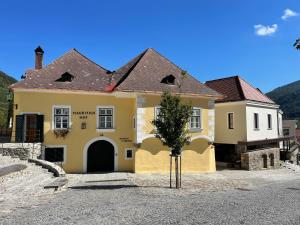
(176, 171)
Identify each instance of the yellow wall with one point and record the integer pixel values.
(153, 157)
(149, 156)
(222, 132)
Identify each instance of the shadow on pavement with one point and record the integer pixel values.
(97, 181)
(102, 187)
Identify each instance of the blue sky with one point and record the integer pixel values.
(208, 38)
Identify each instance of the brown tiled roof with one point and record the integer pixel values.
(236, 89)
(143, 73)
(88, 75)
(146, 71)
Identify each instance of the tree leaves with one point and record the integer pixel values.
(171, 122)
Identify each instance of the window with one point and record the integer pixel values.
(54, 154)
(61, 117)
(170, 80)
(156, 111)
(128, 153)
(195, 121)
(230, 120)
(269, 121)
(105, 116)
(256, 121)
(286, 132)
(66, 77)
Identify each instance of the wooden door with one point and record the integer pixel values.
(31, 128)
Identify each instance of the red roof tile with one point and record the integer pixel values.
(236, 89)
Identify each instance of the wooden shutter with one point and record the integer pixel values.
(19, 128)
(40, 127)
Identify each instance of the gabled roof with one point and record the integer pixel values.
(146, 71)
(236, 89)
(87, 75)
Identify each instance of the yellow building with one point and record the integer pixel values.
(91, 119)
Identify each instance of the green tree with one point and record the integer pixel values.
(171, 126)
(297, 44)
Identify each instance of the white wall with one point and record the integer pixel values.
(263, 132)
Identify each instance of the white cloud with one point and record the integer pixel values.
(262, 30)
(288, 13)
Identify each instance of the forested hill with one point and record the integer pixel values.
(288, 97)
(5, 81)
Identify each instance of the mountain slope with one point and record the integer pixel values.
(288, 97)
(5, 81)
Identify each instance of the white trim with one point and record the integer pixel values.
(52, 116)
(113, 118)
(87, 145)
(232, 121)
(196, 129)
(57, 146)
(128, 149)
(146, 137)
(202, 137)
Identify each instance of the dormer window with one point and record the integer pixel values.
(66, 77)
(170, 80)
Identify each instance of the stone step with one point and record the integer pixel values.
(26, 181)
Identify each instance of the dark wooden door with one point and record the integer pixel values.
(100, 157)
(31, 128)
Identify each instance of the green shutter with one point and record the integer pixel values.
(19, 128)
(40, 127)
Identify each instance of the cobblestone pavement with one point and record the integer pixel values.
(225, 197)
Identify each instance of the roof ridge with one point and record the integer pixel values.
(132, 67)
(187, 73)
(224, 78)
(74, 49)
(240, 78)
(239, 86)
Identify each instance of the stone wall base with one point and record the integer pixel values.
(23, 151)
(261, 159)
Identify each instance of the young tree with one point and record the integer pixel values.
(297, 44)
(171, 124)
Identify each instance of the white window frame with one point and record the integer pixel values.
(228, 124)
(201, 121)
(126, 150)
(98, 129)
(256, 128)
(271, 124)
(155, 111)
(53, 117)
(56, 146)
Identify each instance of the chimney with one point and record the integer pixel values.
(39, 58)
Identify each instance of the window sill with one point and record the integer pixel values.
(128, 158)
(257, 129)
(195, 130)
(106, 130)
(270, 128)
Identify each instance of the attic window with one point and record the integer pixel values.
(170, 79)
(66, 77)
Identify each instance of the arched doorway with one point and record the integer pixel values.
(100, 156)
(265, 161)
(272, 160)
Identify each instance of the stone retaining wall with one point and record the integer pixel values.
(22, 150)
(261, 159)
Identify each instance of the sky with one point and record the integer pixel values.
(210, 39)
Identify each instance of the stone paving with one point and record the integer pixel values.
(225, 197)
(24, 188)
